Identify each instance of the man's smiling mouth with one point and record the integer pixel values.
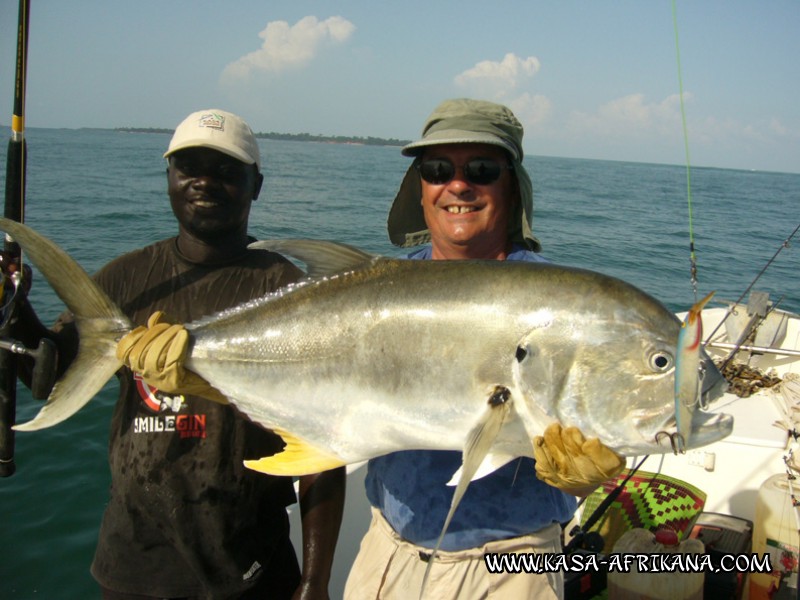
(460, 210)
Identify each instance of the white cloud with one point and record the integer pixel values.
(290, 47)
(729, 131)
(531, 110)
(631, 116)
(499, 78)
(777, 127)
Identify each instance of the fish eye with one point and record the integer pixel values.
(660, 361)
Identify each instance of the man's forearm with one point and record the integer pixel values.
(321, 506)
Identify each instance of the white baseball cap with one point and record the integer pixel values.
(218, 130)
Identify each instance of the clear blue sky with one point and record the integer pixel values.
(589, 79)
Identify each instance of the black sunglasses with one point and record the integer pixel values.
(479, 171)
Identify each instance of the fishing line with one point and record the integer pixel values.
(692, 254)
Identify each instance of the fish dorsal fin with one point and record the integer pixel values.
(297, 458)
(321, 257)
(476, 448)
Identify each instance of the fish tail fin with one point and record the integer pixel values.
(86, 376)
(478, 443)
(297, 458)
(99, 321)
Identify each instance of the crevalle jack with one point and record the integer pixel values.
(372, 355)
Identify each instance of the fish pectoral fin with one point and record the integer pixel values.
(476, 448)
(490, 464)
(297, 458)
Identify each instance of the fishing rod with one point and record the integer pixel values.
(11, 259)
(582, 536)
(785, 244)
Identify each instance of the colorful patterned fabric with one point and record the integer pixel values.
(650, 501)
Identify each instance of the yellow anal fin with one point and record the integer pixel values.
(297, 458)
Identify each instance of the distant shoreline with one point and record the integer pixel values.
(294, 137)
(390, 142)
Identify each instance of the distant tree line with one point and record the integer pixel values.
(295, 137)
(335, 139)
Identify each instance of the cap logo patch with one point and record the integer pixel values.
(212, 121)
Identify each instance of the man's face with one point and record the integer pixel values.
(211, 192)
(468, 219)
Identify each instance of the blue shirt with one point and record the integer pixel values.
(410, 489)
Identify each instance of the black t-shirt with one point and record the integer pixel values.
(185, 516)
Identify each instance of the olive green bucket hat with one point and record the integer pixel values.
(463, 121)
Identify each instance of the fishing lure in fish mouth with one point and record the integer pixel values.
(687, 376)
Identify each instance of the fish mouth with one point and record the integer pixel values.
(707, 428)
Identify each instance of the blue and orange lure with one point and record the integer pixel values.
(687, 371)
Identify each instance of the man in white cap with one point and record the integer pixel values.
(186, 519)
(467, 196)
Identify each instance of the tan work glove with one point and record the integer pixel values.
(157, 353)
(570, 462)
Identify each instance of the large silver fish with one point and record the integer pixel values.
(374, 355)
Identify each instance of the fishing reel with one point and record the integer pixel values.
(16, 280)
(587, 541)
(13, 276)
(44, 356)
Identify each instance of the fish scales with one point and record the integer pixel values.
(390, 350)
(355, 375)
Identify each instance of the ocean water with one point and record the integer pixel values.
(101, 193)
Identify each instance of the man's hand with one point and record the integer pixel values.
(157, 352)
(573, 464)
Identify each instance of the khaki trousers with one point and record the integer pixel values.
(390, 568)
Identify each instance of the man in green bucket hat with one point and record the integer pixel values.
(467, 196)
(457, 123)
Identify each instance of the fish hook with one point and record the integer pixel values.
(676, 441)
